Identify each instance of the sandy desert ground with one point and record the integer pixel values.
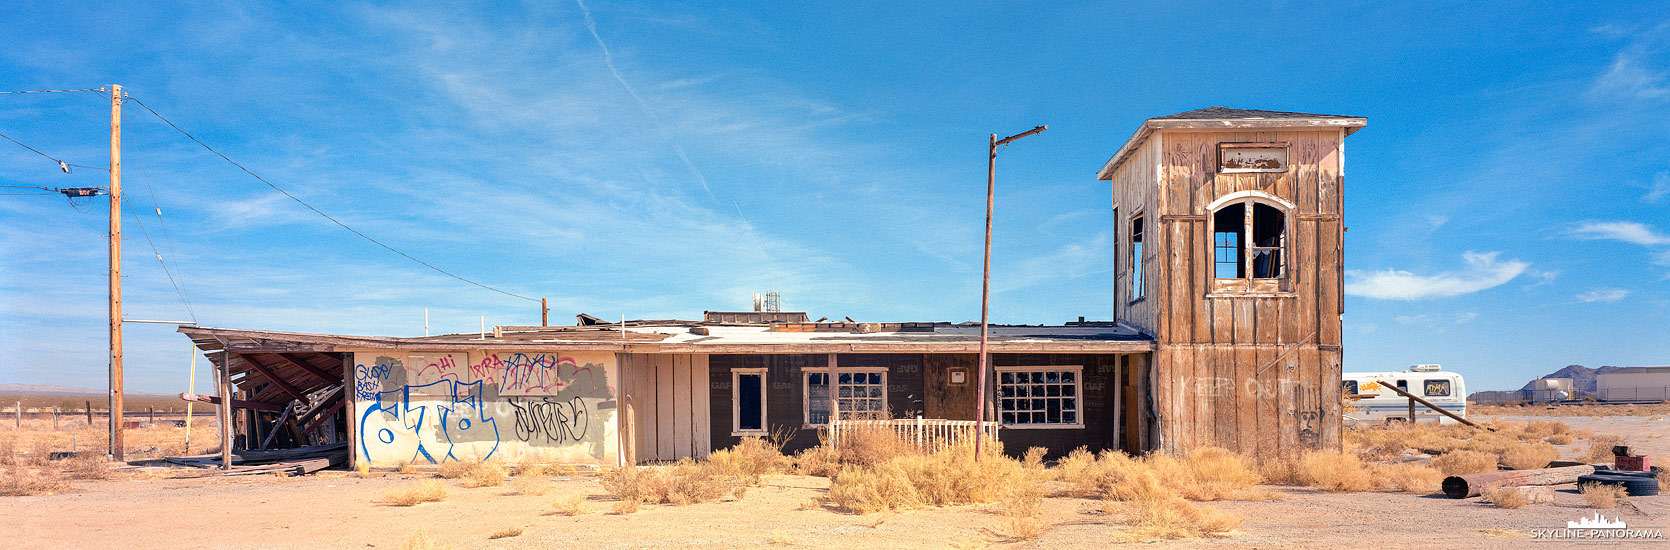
(341, 510)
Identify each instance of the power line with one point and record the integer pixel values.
(177, 290)
(52, 91)
(174, 257)
(61, 163)
(316, 210)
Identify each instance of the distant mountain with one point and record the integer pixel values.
(47, 389)
(1583, 378)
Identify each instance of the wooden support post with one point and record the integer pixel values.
(1429, 405)
(1411, 410)
(55, 418)
(153, 415)
(224, 387)
(89, 414)
(19, 414)
(116, 272)
(834, 404)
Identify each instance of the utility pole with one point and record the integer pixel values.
(544, 313)
(986, 287)
(116, 272)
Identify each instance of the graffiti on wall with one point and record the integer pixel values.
(432, 408)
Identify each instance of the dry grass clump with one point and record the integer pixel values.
(946, 477)
(1530, 456)
(1546, 428)
(417, 493)
(1153, 492)
(624, 482)
(749, 460)
(506, 533)
(420, 540)
(821, 461)
(485, 474)
(1335, 472)
(1347, 473)
(573, 505)
(1559, 439)
(1460, 462)
(1023, 509)
(1175, 518)
(20, 480)
(1600, 447)
(1504, 497)
(1408, 477)
(686, 482)
(1600, 495)
(872, 446)
(1201, 475)
(529, 486)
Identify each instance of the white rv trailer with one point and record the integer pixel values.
(1430, 382)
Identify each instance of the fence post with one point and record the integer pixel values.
(55, 418)
(919, 431)
(20, 414)
(89, 414)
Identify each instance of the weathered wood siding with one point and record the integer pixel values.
(1136, 190)
(1255, 373)
(917, 384)
(668, 406)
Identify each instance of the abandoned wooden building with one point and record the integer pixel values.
(1227, 333)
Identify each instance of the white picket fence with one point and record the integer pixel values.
(928, 434)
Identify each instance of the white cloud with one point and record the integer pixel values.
(1483, 271)
(1070, 261)
(1629, 232)
(1659, 189)
(1603, 295)
(1465, 317)
(1630, 78)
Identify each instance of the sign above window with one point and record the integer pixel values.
(1252, 157)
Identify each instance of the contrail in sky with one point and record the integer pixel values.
(609, 60)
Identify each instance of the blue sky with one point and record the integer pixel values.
(1508, 204)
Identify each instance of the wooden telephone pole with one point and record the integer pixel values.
(986, 288)
(116, 272)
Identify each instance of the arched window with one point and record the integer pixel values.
(1249, 242)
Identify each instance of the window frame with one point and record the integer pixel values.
(806, 390)
(1139, 275)
(1249, 200)
(1078, 396)
(736, 403)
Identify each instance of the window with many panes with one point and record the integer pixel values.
(1039, 397)
(859, 395)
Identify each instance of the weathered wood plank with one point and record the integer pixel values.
(701, 411)
(666, 409)
(682, 391)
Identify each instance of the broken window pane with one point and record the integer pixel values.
(1228, 237)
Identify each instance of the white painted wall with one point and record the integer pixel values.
(1630, 386)
(433, 407)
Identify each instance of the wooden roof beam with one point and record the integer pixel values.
(299, 361)
(274, 378)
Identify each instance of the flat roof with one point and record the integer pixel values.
(697, 337)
